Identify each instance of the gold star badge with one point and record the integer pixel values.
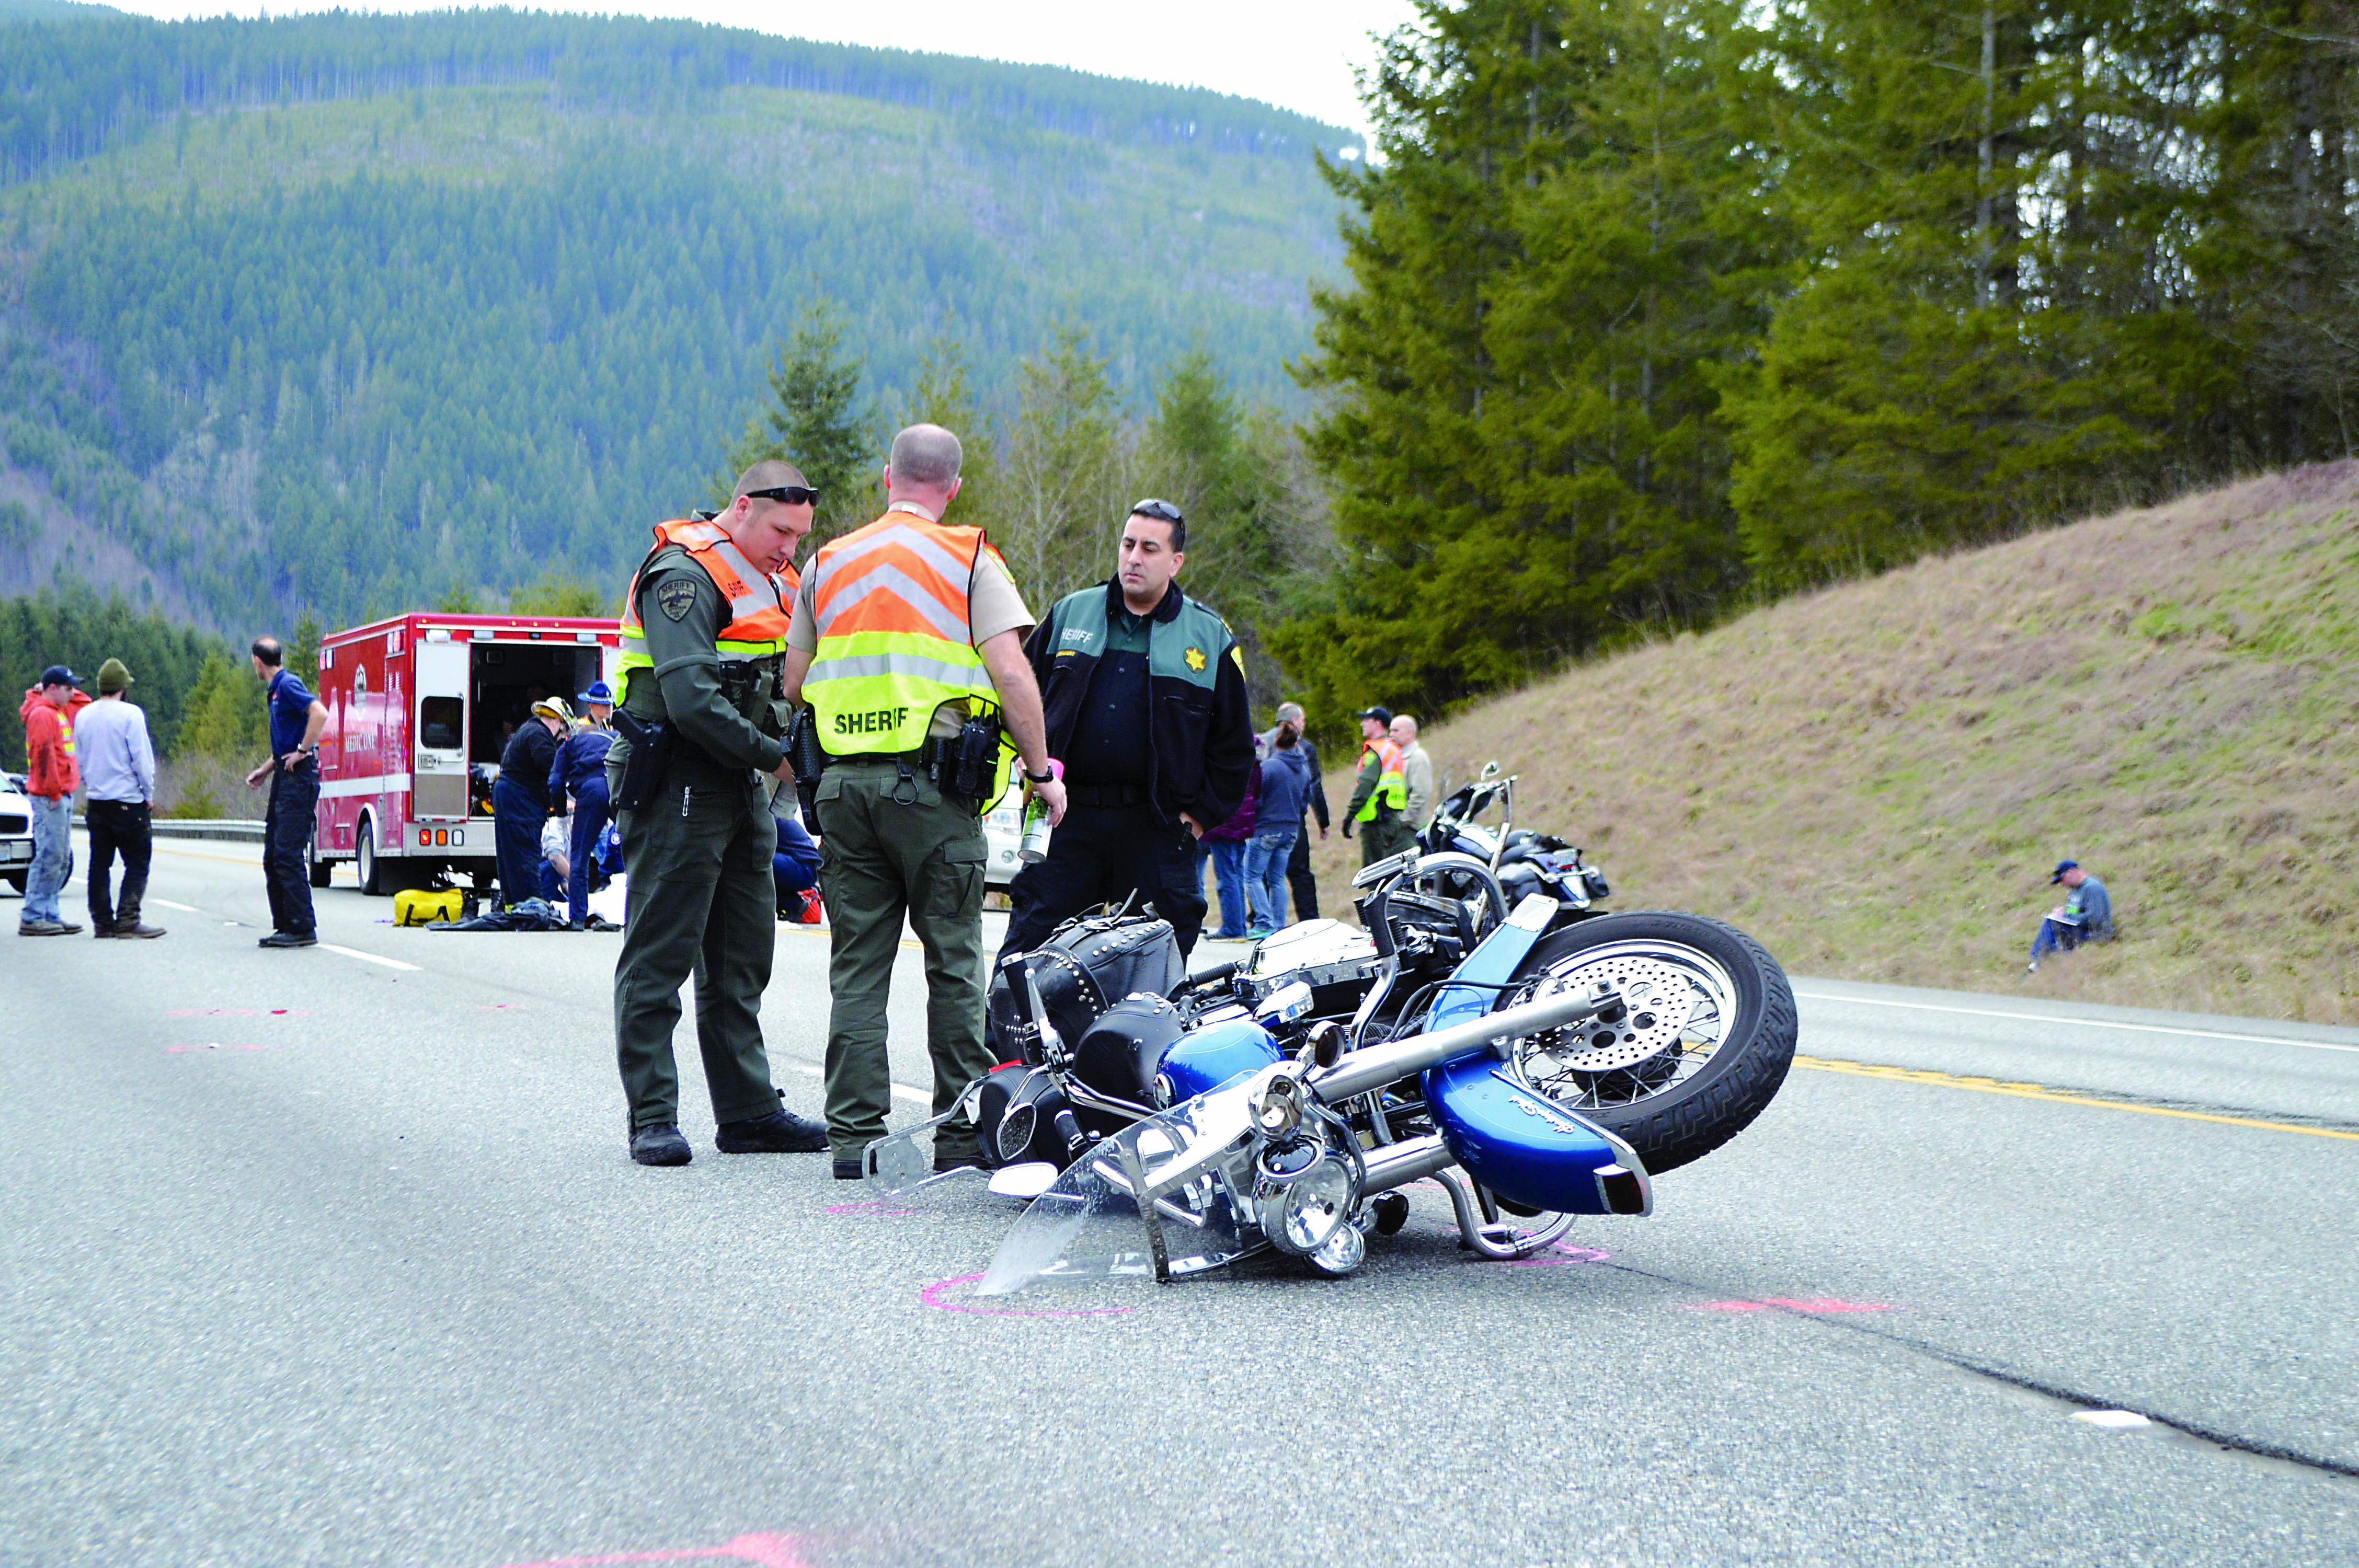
(1195, 658)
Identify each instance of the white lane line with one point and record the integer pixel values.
(2079, 1022)
(183, 908)
(904, 1090)
(368, 957)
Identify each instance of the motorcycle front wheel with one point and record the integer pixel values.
(1706, 1041)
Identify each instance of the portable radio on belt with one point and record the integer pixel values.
(643, 769)
(978, 757)
(810, 760)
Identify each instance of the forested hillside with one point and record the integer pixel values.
(1660, 306)
(349, 312)
(1875, 779)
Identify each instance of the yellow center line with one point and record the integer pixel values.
(2040, 1091)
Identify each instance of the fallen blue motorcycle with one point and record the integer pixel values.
(1540, 1062)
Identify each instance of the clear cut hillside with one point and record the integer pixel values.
(1877, 778)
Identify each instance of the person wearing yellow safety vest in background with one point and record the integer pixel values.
(908, 643)
(704, 631)
(1381, 793)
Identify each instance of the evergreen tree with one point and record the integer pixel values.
(817, 420)
(226, 719)
(303, 650)
(944, 397)
(554, 593)
(1561, 251)
(1067, 473)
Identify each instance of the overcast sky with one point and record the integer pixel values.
(1296, 53)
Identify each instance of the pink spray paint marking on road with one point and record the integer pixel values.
(1572, 1255)
(762, 1550)
(932, 1296)
(1791, 1304)
(235, 1013)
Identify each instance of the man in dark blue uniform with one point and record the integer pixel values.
(297, 717)
(520, 802)
(579, 770)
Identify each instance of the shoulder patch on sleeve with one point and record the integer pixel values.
(677, 597)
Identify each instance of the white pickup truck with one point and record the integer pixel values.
(15, 831)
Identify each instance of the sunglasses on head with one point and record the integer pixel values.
(792, 494)
(1161, 510)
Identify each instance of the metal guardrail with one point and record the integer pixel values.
(229, 828)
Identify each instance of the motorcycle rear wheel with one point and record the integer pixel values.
(1708, 1038)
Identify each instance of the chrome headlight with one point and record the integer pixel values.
(1302, 1192)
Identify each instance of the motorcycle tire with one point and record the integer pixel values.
(1672, 1106)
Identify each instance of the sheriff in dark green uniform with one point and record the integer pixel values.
(703, 635)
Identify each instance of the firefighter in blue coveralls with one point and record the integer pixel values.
(580, 771)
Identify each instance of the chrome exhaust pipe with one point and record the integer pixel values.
(1372, 1066)
(1394, 1165)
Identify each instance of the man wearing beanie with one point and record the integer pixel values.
(118, 772)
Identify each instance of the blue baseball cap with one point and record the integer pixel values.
(58, 674)
(599, 692)
(2061, 867)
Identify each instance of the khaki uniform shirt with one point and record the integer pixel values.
(993, 606)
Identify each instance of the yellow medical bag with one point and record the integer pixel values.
(416, 906)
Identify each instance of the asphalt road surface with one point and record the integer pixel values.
(336, 1257)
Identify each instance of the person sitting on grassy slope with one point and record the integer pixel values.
(2085, 916)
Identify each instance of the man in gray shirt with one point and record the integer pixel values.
(118, 772)
(1417, 773)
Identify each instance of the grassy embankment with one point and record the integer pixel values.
(1876, 778)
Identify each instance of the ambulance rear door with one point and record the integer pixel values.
(437, 790)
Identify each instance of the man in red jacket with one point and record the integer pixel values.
(50, 780)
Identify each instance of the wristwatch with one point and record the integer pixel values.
(1040, 778)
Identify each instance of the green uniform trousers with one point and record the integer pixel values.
(1385, 836)
(701, 901)
(892, 844)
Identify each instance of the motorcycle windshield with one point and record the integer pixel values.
(1087, 1226)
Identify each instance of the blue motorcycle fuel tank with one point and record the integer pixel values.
(1518, 1142)
(1202, 1061)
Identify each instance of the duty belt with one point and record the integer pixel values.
(1104, 796)
(923, 757)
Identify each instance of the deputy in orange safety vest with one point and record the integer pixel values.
(704, 630)
(1381, 792)
(908, 644)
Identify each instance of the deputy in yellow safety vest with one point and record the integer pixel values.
(1380, 794)
(908, 644)
(704, 631)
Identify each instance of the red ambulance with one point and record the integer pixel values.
(419, 708)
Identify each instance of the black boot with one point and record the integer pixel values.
(127, 920)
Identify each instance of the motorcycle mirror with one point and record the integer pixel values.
(1491, 770)
(1323, 1044)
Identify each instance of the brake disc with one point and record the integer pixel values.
(1659, 997)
